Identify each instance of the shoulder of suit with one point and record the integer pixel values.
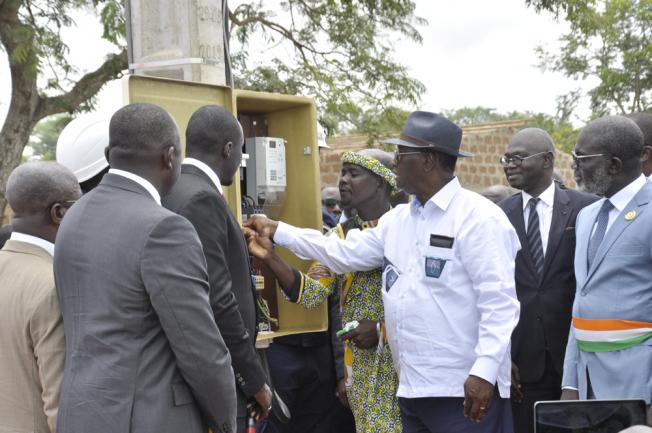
(507, 202)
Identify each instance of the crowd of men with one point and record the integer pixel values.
(143, 317)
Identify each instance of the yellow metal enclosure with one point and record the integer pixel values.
(293, 118)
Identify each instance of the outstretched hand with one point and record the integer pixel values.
(259, 246)
(261, 224)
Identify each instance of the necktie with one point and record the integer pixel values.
(534, 235)
(600, 229)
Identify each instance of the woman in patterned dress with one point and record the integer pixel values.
(366, 184)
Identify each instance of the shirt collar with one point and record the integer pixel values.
(207, 171)
(29, 239)
(547, 196)
(442, 198)
(140, 181)
(625, 195)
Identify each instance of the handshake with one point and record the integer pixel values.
(259, 232)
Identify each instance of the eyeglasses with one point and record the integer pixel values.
(578, 158)
(518, 160)
(399, 155)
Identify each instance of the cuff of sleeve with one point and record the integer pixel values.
(570, 387)
(296, 291)
(284, 235)
(485, 368)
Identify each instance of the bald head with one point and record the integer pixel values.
(34, 186)
(644, 122)
(210, 128)
(616, 136)
(496, 193)
(530, 160)
(138, 131)
(534, 140)
(214, 136)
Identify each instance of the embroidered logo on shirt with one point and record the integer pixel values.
(434, 266)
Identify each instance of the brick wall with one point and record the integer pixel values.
(487, 142)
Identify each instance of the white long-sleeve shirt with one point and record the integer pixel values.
(448, 287)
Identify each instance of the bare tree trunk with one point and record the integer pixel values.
(15, 133)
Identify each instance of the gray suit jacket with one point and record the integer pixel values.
(143, 352)
(617, 286)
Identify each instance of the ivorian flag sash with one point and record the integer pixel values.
(609, 335)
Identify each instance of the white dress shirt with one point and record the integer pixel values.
(140, 181)
(451, 309)
(207, 170)
(39, 242)
(544, 211)
(621, 199)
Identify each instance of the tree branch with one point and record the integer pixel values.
(85, 88)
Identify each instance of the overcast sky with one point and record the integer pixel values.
(474, 52)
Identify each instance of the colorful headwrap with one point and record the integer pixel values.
(371, 164)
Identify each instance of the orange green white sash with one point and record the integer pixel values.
(609, 335)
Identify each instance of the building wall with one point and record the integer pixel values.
(487, 143)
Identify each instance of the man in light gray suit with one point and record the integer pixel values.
(609, 352)
(143, 352)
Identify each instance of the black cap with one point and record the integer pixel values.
(430, 130)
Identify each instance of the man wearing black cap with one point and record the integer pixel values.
(448, 284)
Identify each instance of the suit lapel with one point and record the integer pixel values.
(561, 212)
(515, 215)
(637, 204)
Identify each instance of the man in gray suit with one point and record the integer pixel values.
(609, 352)
(143, 352)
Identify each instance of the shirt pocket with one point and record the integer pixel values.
(436, 263)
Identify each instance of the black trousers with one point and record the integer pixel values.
(548, 388)
(446, 415)
(304, 378)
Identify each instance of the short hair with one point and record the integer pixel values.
(618, 136)
(34, 186)
(141, 128)
(644, 122)
(210, 127)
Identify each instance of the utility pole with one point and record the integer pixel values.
(179, 39)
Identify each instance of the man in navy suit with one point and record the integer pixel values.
(543, 215)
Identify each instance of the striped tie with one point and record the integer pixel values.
(534, 235)
(600, 228)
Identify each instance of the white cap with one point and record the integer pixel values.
(81, 145)
(321, 137)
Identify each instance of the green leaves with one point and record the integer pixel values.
(339, 51)
(610, 40)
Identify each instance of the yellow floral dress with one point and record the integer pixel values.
(372, 394)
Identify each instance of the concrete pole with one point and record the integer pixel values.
(179, 39)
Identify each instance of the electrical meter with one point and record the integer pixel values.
(265, 171)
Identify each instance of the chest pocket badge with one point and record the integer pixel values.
(434, 267)
(390, 273)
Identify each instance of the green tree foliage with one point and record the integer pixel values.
(341, 53)
(43, 82)
(43, 141)
(610, 41)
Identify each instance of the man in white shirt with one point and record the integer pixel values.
(448, 284)
(644, 122)
(543, 215)
(609, 352)
(31, 330)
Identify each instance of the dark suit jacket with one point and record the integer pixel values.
(546, 303)
(143, 353)
(231, 290)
